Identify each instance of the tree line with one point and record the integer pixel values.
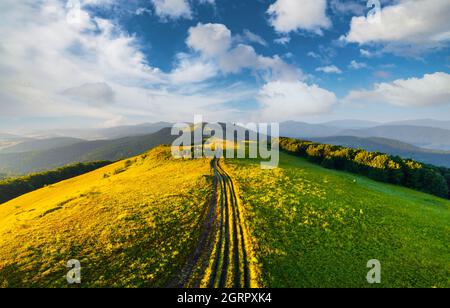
(378, 166)
(15, 187)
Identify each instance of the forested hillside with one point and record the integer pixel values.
(377, 166)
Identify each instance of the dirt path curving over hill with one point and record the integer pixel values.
(223, 253)
(231, 265)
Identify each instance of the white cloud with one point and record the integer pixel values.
(283, 40)
(99, 93)
(284, 93)
(430, 90)
(214, 42)
(355, 65)
(293, 15)
(172, 9)
(423, 24)
(142, 11)
(365, 53)
(210, 39)
(52, 66)
(331, 69)
(207, 1)
(192, 70)
(282, 100)
(44, 52)
(312, 54)
(347, 7)
(251, 37)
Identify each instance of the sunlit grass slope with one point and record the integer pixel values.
(318, 228)
(132, 223)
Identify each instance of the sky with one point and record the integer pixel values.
(103, 63)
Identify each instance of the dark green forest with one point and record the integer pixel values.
(15, 187)
(377, 166)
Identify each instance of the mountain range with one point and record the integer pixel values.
(420, 136)
(41, 150)
(85, 151)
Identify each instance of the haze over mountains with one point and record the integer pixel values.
(427, 141)
(103, 133)
(435, 135)
(84, 151)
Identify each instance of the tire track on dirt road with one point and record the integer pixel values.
(222, 256)
(231, 266)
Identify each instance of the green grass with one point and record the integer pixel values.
(134, 223)
(318, 228)
(133, 228)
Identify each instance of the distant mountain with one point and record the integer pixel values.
(304, 130)
(427, 137)
(352, 124)
(421, 136)
(40, 144)
(26, 162)
(9, 137)
(105, 133)
(7, 140)
(423, 122)
(392, 147)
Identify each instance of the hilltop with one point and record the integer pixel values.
(132, 223)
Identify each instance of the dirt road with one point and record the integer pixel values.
(221, 258)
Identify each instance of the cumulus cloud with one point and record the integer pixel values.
(209, 39)
(430, 90)
(331, 69)
(214, 42)
(423, 24)
(292, 15)
(192, 70)
(284, 95)
(55, 64)
(172, 9)
(45, 51)
(282, 100)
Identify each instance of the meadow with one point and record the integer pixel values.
(130, 224)
(315, 227)
(137, 222)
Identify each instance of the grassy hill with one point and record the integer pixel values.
(318, 228)
(130, 224)
(137, 223)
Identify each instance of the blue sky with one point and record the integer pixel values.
(98, 63)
